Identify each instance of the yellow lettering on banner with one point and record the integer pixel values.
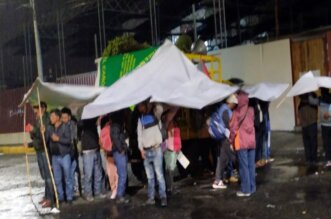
(128, 63)
(103, 72)
(146, 59)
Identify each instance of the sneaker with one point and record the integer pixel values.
(328, 164)
(150, 201)
(122, 200)
(164, 202)
(271, 159)
(113, 195)
(219, 185)
(233, 179)
(241, 194)
(260, 163)
(55, 211)
(89, 198)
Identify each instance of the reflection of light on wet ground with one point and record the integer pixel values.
(15, 201)
(284, 173)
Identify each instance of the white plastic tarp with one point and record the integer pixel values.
(309, 83)
(72, 96)
(169, 77)
(266, 91)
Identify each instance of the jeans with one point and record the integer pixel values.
(121, 162)
(73, 169)
(266, 146)
(46, 176)
(326, 136)
(62, 166)
(154, 163)
(247, 170)
(170, 158)
(92, 169)
(309, 136)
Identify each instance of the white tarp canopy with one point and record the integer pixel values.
(72, 96)
(169, 77)
(266, 91)
(309, 83)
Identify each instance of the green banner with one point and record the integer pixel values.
(114, 67)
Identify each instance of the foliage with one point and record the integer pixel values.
(123, 44)
(184, 43)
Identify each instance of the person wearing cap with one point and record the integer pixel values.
(37, 141)
(225, 153)
(149, 143)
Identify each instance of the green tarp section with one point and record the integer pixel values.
(114, 67)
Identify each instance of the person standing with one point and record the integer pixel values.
(59, 136)
(119, 151)
(36, 136)
(106, 144)
(174, 146)
(91, 159)
(242, 137)
(149, 143)
(325, 106)
(266, 133)
(221, 121)
(66, 118)
(308, 117)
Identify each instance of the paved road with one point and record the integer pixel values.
(286, 189)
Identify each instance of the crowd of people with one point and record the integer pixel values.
(85, 154)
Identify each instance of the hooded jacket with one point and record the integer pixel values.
(243, 122)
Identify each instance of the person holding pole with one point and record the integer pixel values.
(36, 136)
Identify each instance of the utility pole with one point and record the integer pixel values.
(37, 41)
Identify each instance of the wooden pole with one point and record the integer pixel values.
(281, 102)
(26, 153)
(46, 152)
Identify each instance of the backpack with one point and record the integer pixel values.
(217, 129)
(105, 138)
(148, 121)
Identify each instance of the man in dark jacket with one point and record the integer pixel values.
(66, 117)
(91, 159)
(36, 136)
(308, 112)
(59, 136)
(119, 151)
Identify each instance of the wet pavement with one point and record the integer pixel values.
(286, 188)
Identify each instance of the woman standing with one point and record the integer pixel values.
(243, 139)
(174, 146)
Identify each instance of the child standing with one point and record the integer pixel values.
(174, 145)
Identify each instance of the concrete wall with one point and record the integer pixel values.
(13, 139)
(269, 62)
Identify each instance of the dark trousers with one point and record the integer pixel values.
(225, 155)
(309, 135)
(326, 136)
(46, 176)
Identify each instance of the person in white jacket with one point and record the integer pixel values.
(149, 143)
